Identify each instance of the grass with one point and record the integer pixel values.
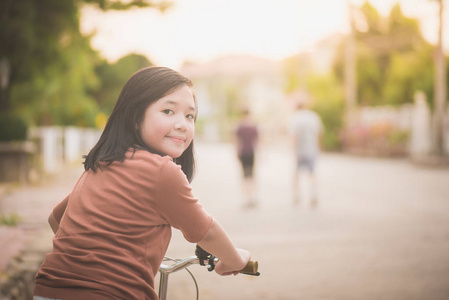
(9, 220)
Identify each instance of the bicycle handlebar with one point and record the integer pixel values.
(201, 256)
(179, 264)
(251, 268)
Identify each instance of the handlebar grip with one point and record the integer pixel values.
(251, 268)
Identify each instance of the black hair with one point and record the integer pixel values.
(143, 88)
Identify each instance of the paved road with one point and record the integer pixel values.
(381, 230)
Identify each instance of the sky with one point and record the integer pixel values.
(202, 30)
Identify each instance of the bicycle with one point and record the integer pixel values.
(202, 258)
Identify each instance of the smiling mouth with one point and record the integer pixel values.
(177, 139)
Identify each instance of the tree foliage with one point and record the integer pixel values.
(124, 5)
(113, 76)
(393, 59)
(403, 80)
(59, 94)
(30, 34)
(47, 67)
(328, 103)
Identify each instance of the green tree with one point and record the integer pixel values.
(113, 76)
(410, 65)
(58, 96)
(393, 59)
(30, 33)
(328, 102)
(403, 80)
(369, 70)
(46, 65)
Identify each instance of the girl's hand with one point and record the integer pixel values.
(233, 268)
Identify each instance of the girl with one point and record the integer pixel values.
(112, 231)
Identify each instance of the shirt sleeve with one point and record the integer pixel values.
(59, 209)
(177, 205)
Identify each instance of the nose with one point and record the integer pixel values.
(181, 123)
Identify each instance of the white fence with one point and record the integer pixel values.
(414, 118)
(66, 145)
(62, 145)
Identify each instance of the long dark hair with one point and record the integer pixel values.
(143, 88)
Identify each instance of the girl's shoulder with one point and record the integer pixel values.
(146, 156)
(143, 159)
(149, 164)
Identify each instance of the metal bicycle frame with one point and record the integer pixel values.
(166, 270)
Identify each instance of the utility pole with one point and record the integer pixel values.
(350, 68)
(440, 90)
(4, 84)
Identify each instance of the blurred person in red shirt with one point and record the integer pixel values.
(247, 135)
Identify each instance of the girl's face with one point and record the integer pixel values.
(168, 126)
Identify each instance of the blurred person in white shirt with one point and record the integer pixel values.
(306, 128)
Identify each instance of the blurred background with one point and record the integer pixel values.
(374, 71)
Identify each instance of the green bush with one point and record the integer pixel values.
(328, 103)
(10, 220)
(398, 137)
(12, 128)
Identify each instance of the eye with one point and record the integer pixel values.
(190, 116)
(168, 111)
